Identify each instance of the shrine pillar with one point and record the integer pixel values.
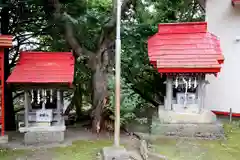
(200, 94)
(26, 107)
(169, 94)
(5, 42)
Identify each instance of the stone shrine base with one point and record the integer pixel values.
(187, 116)
(187, 124)
(4, 139)
(204, 131)
(39, 137)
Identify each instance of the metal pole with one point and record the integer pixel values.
(230, 115)
(117, 76)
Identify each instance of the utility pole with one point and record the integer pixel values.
(117, 76)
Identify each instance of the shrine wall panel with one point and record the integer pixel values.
(224, 21)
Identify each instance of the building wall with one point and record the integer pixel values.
(223, 20)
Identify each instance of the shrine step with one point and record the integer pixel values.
(201, 130)
(43, 137)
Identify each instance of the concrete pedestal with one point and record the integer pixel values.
(205, 131)
(114, 153)
(43, 137)
(205, 116)
(188, 124)
(4, 139)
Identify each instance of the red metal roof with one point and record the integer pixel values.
(6, 41)
(43, 67)
(1, 63)
(185, 47)
(236, 2)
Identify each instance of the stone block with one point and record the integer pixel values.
(4, 139)
(205, 116)
(209, 131)
(115, 153)
(43, 137)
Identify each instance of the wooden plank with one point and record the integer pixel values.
(42, 86)
(26, 107)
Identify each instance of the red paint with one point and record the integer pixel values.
(43, 67)
(185, 47)
(235, 2)
(185, 27)
(189, 70)
(226, 113)
(5, 42)
(2, 97)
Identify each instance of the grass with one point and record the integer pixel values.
(174, 149)
(8, 154)
(81, 150)
(183, 149)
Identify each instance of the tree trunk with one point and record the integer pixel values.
(9, 108)
(99, 91)
(78, 101)
(202, 3)
(149, 119)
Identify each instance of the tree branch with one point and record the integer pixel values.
(150, 98)
(110, 26)
(27, 36)
(105, 36)
(80, 50)
(19, 110)
(15, 50)
(18, 94)
(202, 4)
(72, 41)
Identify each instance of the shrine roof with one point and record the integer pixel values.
(235, 2)
(6, 41)
(43, 68)
(185, 47)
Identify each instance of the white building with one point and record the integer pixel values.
(223, 18)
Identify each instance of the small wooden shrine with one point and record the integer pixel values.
(185, 53)
(44, 76)
(5, 42)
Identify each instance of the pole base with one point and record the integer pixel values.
(114, 153)
(4, 139)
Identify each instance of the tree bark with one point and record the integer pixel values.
(99, 84)
(98, 61)
(202, 3)
(9, 108)
(78, 101)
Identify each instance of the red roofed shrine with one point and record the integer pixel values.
(43, 67)
(185, 47)
(185, 52)
(44, 76)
